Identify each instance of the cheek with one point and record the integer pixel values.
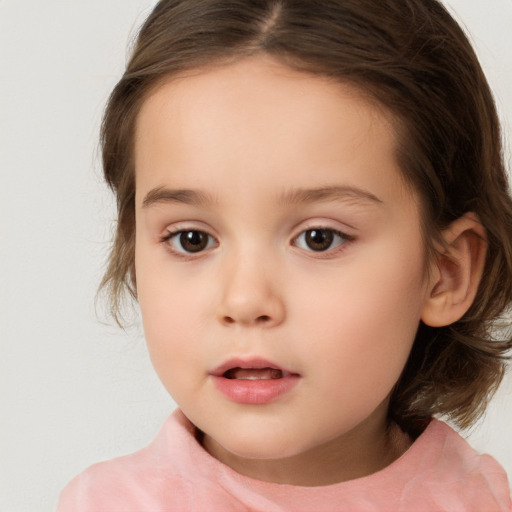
(168, 294)
(170, 332)
(169, 316)
(365, 322)
(372, 295)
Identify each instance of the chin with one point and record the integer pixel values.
(262, 446)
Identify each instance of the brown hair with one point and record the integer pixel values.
(412, 58)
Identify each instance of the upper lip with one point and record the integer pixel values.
(248, 363)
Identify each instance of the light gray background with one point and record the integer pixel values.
(74, 390)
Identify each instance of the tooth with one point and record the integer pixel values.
(254, 373)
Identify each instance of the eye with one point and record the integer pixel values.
(190, 241)
(320, 239)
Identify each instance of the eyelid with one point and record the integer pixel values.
(325, 223)
(323, 226)
(172, 233)
(178, 226)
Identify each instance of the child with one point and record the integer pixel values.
(314, 219)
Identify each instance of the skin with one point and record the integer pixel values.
(245, 138)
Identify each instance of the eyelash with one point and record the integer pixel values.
(343, 240)
(172, 235)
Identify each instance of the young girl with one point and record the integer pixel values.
(314, 219)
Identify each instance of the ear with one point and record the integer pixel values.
(456, 273)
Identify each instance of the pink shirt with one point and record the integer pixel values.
(440, 472)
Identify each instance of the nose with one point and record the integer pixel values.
(250, 295)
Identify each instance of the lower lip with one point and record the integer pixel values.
(255, 392)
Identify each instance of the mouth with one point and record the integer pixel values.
(251, 369)
(254, 373)
(254, 381)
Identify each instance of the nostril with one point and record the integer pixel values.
(262, 319)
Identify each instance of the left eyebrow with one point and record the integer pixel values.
(328, 193)
(161, 195)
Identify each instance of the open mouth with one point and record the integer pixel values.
(253, 381)
(254, 373)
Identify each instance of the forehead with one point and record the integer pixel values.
(257, 120)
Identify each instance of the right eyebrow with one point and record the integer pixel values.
(161, 195)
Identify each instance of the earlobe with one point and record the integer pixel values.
(457, 272)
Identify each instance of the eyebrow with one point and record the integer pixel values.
(328, 193)
(161, 195)
(164, 195)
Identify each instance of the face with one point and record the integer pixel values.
(279, 257)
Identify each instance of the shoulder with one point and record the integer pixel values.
(135, 482)
(450, 472)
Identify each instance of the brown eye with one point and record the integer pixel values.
(320, 239)
(191, 241)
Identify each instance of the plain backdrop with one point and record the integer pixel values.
(75, 389)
